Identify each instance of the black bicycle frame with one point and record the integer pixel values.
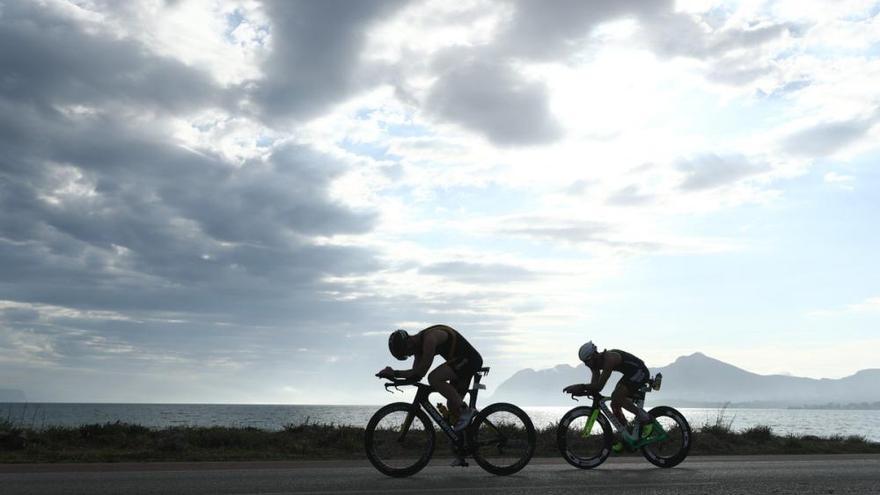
(600, 403)
(421, 400)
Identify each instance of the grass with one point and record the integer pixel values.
(719, 438)
(120, 442)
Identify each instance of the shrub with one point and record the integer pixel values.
(793, 442)
(759, 433)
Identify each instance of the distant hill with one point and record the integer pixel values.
(12, 395)
(699, 380)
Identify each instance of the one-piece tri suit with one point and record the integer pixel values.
(635, 373)
(460, 355)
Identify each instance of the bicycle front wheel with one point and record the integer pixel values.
(399, 439)
(676, 434)
(502, 437)
(584, 437)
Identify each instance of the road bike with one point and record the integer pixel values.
(585, 437)
(400, 437)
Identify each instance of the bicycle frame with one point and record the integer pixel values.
(421, 400)
(600, 404)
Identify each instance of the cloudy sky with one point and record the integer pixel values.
(236, 201)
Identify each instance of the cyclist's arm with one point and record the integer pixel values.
(611, 360)
(594, 379)
(423, 359)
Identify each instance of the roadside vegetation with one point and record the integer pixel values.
(121, 442)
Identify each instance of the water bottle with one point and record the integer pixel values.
(657, 381)
(443, 411)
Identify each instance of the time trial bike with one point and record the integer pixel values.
(400, 438)
(585, 437)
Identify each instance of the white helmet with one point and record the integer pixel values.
(586, 351)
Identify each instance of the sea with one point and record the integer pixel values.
(819, 422)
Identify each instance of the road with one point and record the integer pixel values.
(836, 474)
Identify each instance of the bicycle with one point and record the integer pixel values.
(584, 435)
(400, 437)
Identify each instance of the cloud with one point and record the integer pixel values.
(551, 30)
(482, 273)
(315, 55)
(44, 53)
(168, 217)
(170, 214)
(105, 211)
(678, 34)
(492, 98)
(129, 249)
(712, 171)
(842, 181)
(481, 87)
(828, 137)
(786, 89)
(631, 195)
(556, 30)
(547, 228)
(583, 232)
(869, 305)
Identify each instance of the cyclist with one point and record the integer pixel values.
(635, 374)
(451, 378)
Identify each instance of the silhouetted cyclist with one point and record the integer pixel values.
(451, 378)
(635, 374)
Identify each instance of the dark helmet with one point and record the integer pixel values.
(397, 344)
(587, 351)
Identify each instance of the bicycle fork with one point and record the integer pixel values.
(404, 428)
(588, 427)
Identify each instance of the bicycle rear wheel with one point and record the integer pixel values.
(502, 437)
(399, 439)
(672, 450)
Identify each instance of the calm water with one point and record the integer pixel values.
(274, 417)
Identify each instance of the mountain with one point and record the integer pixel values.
(11, 395)
(699, 380)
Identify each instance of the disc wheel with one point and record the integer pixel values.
(582, 447)
(399, 439)
(503, 438)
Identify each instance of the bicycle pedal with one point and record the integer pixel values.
(459, 463)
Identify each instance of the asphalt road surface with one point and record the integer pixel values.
(827, 474)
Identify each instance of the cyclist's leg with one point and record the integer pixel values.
(621, 392)
(465, 369)
(622, 397)
(442, 379)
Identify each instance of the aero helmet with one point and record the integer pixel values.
(586, 351)
(397, 344)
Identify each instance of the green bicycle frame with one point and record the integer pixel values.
(657, 435)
